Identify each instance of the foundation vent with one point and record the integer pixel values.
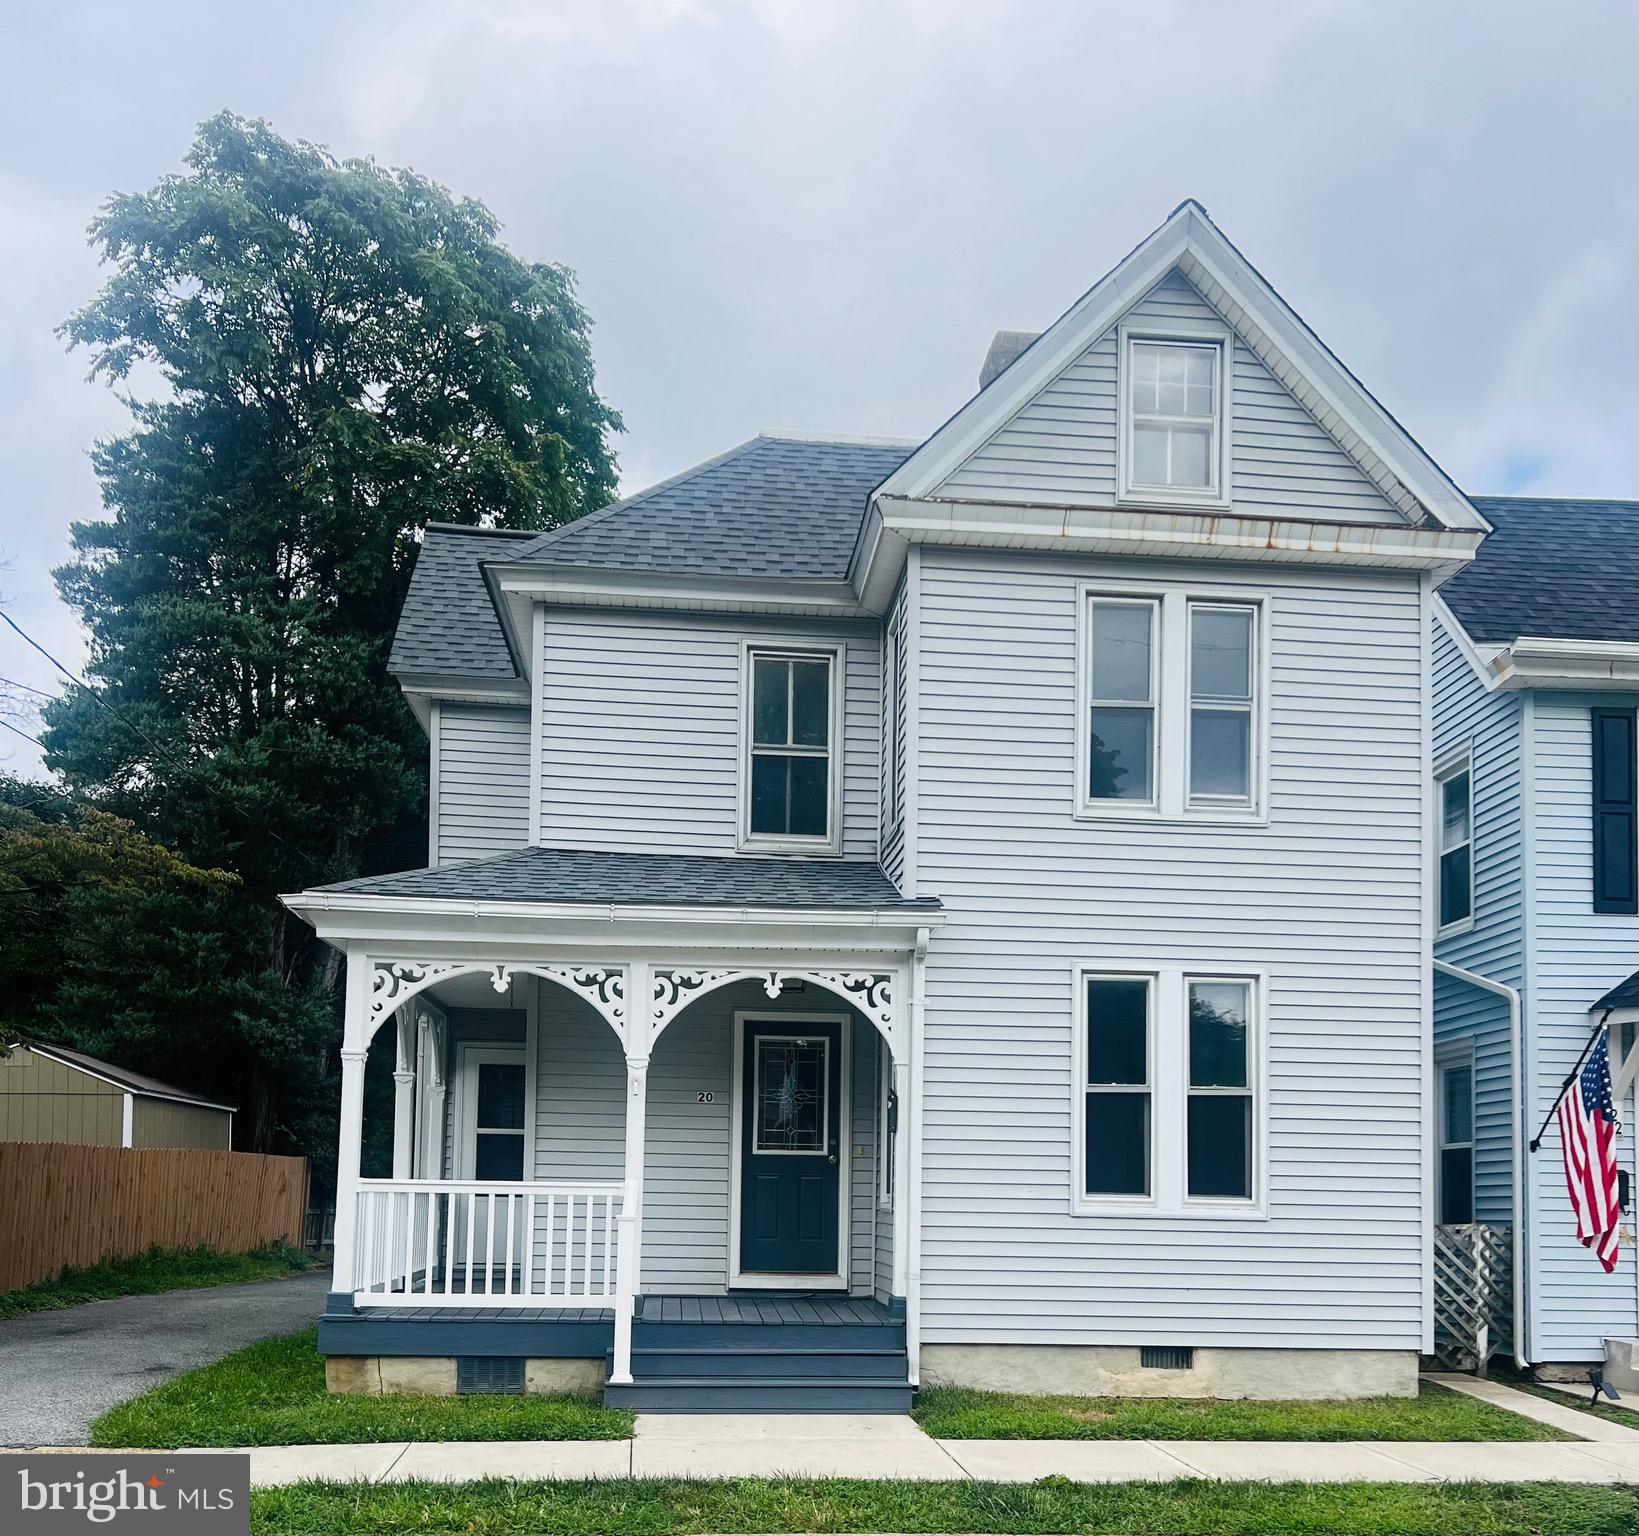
(489, 1373)
(1166, 1357)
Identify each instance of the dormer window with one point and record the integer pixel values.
(1172, 405)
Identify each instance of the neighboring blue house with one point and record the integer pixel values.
(1536, 667)
(955, 912)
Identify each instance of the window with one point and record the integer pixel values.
(1222, 642)
(1171, 716)
(1218, 1127)
(1615, 810)
(1166, 1093)
(1174, 406)
(1456, 845)
(790, 749)
(789, 1103)
(1121, 765)
(1457, 1142)
(1116, 1083)
(498, 1124)
(890, 726)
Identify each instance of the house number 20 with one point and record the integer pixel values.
(704, 1098)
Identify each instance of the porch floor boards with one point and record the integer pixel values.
(811, 1311)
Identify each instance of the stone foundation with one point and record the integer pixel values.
(1571, 1372)
(1114, 1371)
(434, 1375)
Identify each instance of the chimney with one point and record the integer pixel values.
(1005, 346)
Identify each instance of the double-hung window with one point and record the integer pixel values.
(1172, 405)
(1219, 1122)
(1122, 735)
(1116, 1087)
(790, 750)
(1172, 715)
(1167, 1095)
(1222, 643)
(1456, 812)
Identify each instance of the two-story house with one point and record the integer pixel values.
(954, 912)
(1536, 656)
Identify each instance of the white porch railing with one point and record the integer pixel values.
(431, 1241)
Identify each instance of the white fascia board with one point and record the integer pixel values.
(1187, 233)
(1479, 659)
(338, 918)
(584, 586)
(1132, 531)
(1606, 666)
(421, 693)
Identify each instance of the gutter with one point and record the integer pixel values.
(1520, 1186)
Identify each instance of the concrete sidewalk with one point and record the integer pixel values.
(876, 1448)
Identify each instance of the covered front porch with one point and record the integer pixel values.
(600, 1152)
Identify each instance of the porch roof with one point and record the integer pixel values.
(1625, 994)
(641, 879)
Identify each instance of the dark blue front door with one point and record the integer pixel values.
(791, 1076)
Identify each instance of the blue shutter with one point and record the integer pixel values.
(1615, 824)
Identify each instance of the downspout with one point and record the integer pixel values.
(1518, 1202)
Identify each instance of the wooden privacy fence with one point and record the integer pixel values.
(62, 1204)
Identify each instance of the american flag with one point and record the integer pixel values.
(1587, 1138)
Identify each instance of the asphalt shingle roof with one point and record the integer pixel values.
(775, 506)
(135, 1081)
(666, 879)
(1552, 568)
(449, 627)
(1625, 994)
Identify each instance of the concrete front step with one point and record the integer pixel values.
(751, 1394)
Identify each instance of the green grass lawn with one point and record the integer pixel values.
(667, 1507)
(273, 1394)
(950, 1413)
(148, 1274)
(1612, 1413)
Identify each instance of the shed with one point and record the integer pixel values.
(50, 1093)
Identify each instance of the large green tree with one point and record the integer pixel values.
(330, 354)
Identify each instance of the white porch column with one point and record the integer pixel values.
(404, 1095)
(902, 1167)
(639, 1010)
(913, 1188)
(355, 1048)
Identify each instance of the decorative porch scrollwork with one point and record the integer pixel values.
(395, 982)
(870, 992)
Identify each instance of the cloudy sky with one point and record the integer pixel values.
(813, 214)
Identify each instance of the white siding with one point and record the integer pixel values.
(1577, 955)
(640, 729)
(1489, 722)
(1326, 899)
(480, 803)
(1062, 446)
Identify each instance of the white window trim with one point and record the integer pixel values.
(1230, 804)
(1191, 332)
(1169, 1091)
(888, 693)
(1080, 1200)
(1170, 777)
(831, 844)
(469, 1056)
(1453, 764)
(1454, 1055)
(1254, 1089)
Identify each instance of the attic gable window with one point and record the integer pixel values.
(1173, 403)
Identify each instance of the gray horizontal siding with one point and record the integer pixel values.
(1326, 899)
(480, 804)
(1577, 955)
(640, 729)
(1489, 722)
(1062, 446)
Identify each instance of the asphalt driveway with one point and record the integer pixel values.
(60, 1370)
